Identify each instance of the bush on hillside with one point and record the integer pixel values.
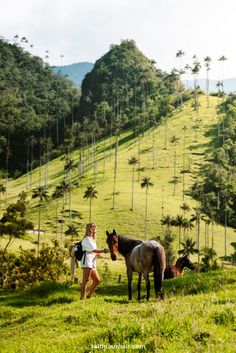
(26, 268)
(209, 260)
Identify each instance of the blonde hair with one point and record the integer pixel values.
(89, 232)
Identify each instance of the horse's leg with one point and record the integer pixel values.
(161, 291)
(130, 275)
(146, 277)
(139, 285)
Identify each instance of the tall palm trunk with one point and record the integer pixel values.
(146, 210)
(39, 226)
(132, 206)
(31, 161)
(175, 168)
(198, 238)
(115, 172)
(90, 209)
(104, 157)
(139, 152)
(27, 163)
(179, 236)
(225, 231)
(57, 219)
(7, 166)
(153, 149)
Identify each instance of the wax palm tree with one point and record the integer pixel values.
(197, 217)
(168, 221)
(207, 222)
(185, 207)
(15, 38)
(174, 140)
(219, 86)
(2, 192)
(117, 134)
(187, 68)
(132, 161)
(72, 230)
(187, 225)
(222, 59)
(225, 197)
(180, 53)
(63, 188)
(56, 195)
(33, 142)
(189, 247)
(69, 167)
(48, 145)
(146, 183)
(207, 61)
(195, 71)
(184, 158)
(90, 193)
(40, 193)
(179, 220)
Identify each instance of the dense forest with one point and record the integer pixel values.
(40, 110)
(217, 193)
(35, 106)
(125, 87)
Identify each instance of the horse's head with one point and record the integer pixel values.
(112, 242)
(185, 262)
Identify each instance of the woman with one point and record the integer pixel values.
(88, 262)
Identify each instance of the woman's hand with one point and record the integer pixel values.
(106, 251)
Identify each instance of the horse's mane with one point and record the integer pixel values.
(126, 245)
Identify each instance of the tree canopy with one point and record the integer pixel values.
(128, 85)
(33, 100)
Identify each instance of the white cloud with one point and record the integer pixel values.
(84, 29)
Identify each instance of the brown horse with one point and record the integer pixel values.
(176, 270)
(141, 257)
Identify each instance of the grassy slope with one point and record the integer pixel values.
(195, 141)
(197, 315)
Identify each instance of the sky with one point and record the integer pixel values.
(82, 30)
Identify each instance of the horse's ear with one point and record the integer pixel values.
(107, 233)
(114, 232)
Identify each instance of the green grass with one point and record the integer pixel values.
(195, 143)
(197, 315)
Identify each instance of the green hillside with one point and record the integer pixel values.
(193, 149)
(35, 106)
(197, 315)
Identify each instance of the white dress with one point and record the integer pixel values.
(89, 257)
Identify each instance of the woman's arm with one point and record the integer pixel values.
(100, 251)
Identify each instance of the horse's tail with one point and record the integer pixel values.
(158, 259)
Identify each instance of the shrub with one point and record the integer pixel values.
(26, 268)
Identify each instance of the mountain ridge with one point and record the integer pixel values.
(77, 71)
(229, 84)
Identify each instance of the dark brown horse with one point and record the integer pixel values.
(141, 257)
(176, 270)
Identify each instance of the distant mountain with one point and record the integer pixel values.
(229, 84)
(75, 72)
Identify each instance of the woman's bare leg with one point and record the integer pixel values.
(86, 274)
(96, 280)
